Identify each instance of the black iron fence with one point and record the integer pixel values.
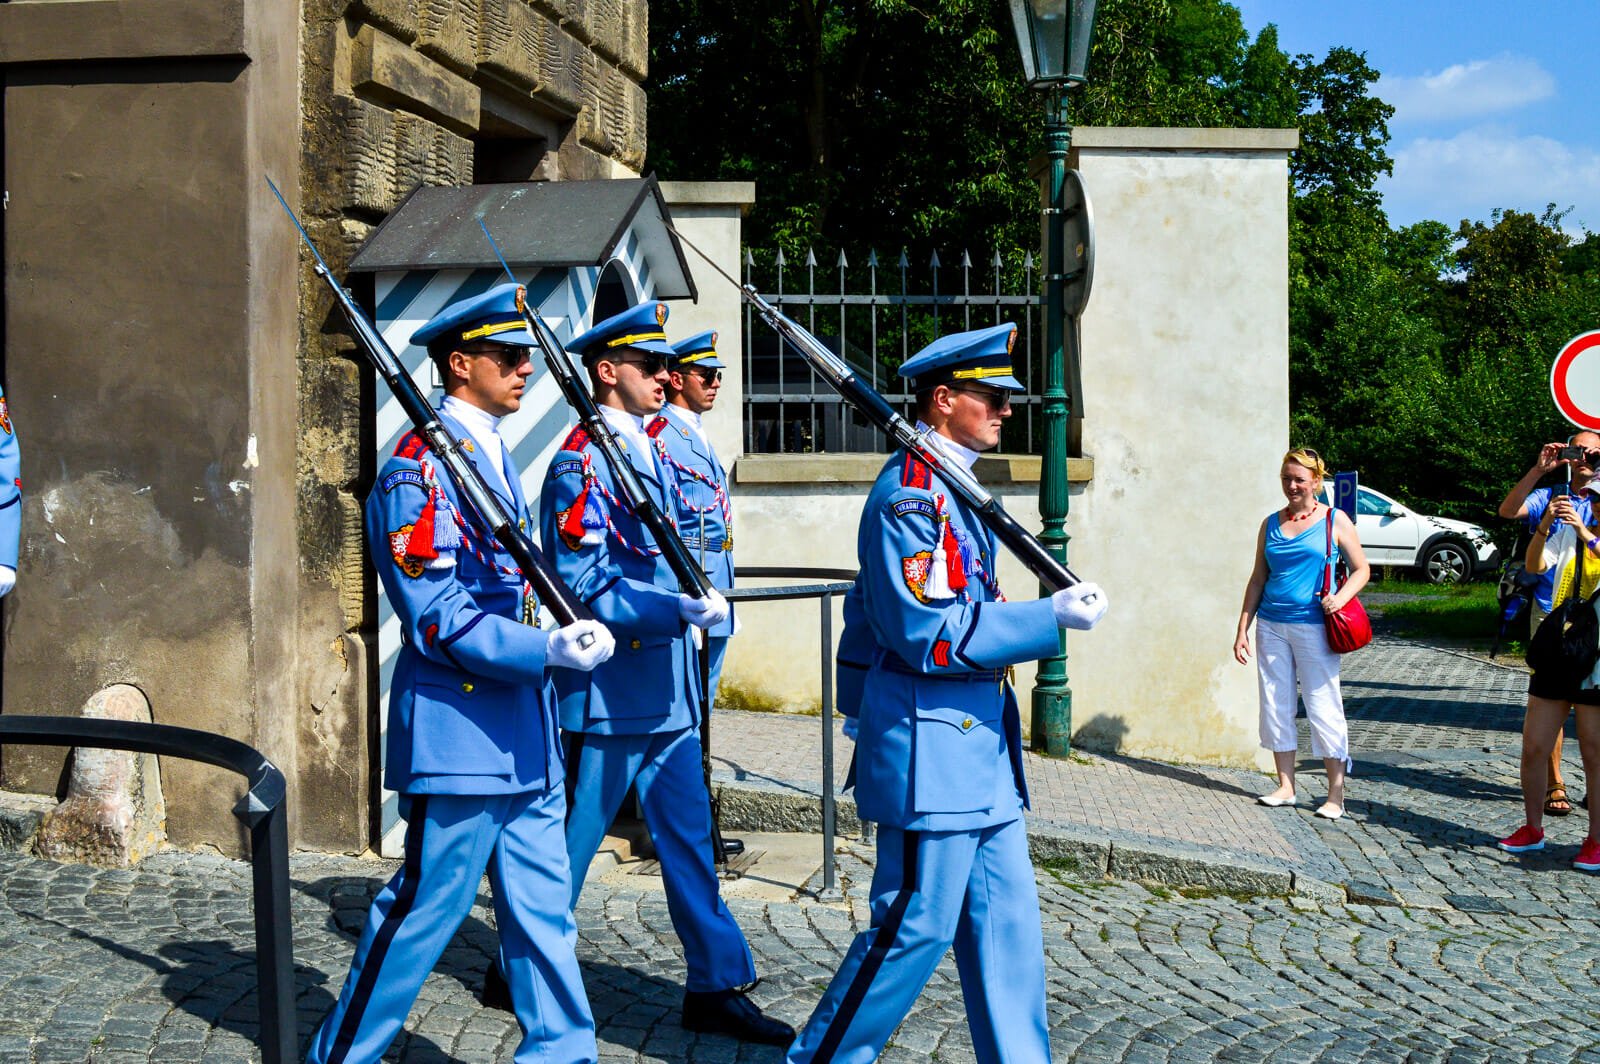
(789, 409)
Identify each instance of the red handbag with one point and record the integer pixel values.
(1348, 627)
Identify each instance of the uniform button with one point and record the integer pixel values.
(466, 688)
(635, 644)
(966, 724)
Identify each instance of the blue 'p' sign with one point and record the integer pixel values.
(1344, 493)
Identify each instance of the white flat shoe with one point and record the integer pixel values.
(1274, 803)
(1329, 811)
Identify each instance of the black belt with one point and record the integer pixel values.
(894, 663)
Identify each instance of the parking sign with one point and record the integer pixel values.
(1344, 493)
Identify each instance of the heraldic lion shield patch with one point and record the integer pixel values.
(915, 571)
(398, 540)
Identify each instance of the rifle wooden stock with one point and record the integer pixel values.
(540, 574)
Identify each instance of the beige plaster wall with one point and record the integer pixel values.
(1185, 374)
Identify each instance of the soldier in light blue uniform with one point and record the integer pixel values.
(472, 743)
(924, 684)
(697, 482)
(10, 500)
(636, 719)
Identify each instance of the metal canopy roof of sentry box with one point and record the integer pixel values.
(585, 249)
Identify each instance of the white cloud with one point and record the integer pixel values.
(1468, 90)
(1479, 169)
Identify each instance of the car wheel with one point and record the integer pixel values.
(1446, 563)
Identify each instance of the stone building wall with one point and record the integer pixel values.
(189, 409)
(397, 94)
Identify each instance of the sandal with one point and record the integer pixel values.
(1556, 802)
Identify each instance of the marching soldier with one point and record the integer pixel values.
(472, 742)
(924, 666)
(697, 484)
(636, 719)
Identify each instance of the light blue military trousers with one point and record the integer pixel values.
(449, 841)
(666, 772)
(931, 890)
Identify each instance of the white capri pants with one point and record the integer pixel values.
(1284, 653)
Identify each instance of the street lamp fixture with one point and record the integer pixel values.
(1053, 37)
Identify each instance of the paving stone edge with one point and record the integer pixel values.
(770, 808)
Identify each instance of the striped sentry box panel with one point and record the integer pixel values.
(404, 302)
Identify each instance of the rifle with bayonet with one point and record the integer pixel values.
(691, 578)
(1052, 573)
(540, 574)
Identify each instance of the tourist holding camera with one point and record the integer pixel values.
(1563, 657)
(1581, 455)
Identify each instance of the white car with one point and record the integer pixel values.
(1446, 551)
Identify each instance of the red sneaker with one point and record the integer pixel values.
(1588, 859)
(1526, 838)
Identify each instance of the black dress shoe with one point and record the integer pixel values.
(730, 1012)
(496, 992)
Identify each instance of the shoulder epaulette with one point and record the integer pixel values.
(657, 426)
(411, 446)
(915, 473)
(576, 440)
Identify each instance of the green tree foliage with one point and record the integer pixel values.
(1418, 356)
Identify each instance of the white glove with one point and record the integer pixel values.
(852, 725)
(1080, 606)
(8, 580)
(563, 650)
(703, 613)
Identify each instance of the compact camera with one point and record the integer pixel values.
(1570, 453)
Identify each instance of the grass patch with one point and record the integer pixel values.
(1242, 896)
(1459, 613)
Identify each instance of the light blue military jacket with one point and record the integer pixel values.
(939, 745)
(649, 685)
(470, 707)
(10, 489)
(696, 478)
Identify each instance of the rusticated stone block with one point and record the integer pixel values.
(447, 30)
(385, 69)
(573, 16)
(369, 140)
(605, 28)
(429, 154)
(619, 113)
(561, 63)
(398, 17)
(513, 40)
(634, 52)
(113, 815)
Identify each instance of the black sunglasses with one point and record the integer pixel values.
(708, 376)
(649, 364)
(509, 356)
(995, 398)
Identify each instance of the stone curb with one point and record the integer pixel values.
(20, 817)
(773, 808)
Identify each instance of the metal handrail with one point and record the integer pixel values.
(839, 581)
(262, 809)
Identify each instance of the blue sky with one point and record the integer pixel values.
(1495, 103)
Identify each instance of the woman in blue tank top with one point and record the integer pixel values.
(1294, 549)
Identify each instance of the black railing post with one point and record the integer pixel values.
(263, 808)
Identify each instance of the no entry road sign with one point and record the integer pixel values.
(1575, 381)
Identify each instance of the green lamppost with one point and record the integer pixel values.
(1053, 36)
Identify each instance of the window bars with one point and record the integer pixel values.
(790, 410)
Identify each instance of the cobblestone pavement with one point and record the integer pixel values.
(1439, 948)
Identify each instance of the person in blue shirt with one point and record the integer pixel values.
(1295, 549)
(636, 719)
(473, 748)
(1530, 503)
(696, 481)
(10, 500)
(924, 684)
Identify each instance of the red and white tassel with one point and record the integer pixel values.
(937, 586)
